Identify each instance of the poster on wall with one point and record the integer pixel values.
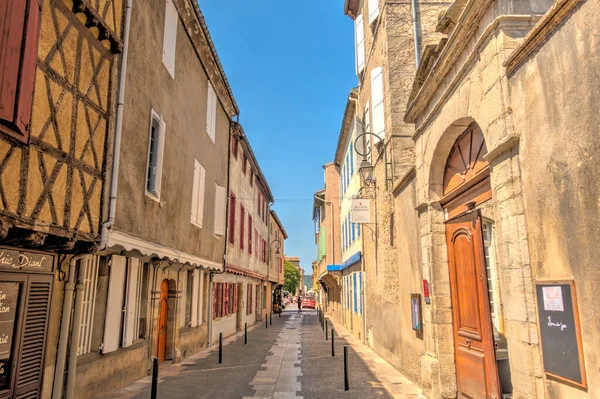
(9, 295)
(415, 304)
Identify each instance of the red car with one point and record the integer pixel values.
(309, 302)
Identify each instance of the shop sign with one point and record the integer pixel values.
(361, 211)
(25, 261)
(426, 292)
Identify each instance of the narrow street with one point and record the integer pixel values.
(289, 359)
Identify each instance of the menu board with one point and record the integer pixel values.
(558, 322)
(9, 296)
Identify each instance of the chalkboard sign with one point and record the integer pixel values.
(9, 295)
(558, 322)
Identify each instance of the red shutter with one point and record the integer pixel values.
(215, 300)
(242, 217)
(235, 289)
(225, 299)
(19, 24)
(250, 235)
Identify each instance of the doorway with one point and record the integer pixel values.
(240, 303)
(163, 310)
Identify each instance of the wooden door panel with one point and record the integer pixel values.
(476, 369)
(162, 321)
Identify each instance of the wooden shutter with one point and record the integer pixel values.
(211, 112)
(201, 192)
(232, 218)
(195, 185)
(200, 296)
(89, 268)
(33, 337)
(360, 44)
(131, 305)
(194, 288)
(170, 37)
(19, 24)
(220, 192)
(373, 10)
(242, 219)
(215, 300)
(378, 115)
(235, 297)
(114, 304)
(250, 234)
(224, 294)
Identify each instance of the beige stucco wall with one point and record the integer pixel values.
(182, 103)
(555, 103)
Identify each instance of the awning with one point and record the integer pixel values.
(351, 260)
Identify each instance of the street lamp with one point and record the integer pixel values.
(366, 171)
(277, 246)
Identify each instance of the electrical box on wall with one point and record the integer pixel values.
(415, 310)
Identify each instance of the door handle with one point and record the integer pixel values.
(468, 343)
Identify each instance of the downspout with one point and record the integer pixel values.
(416, 32)
(79, 288)
(209, 316)
(114, 180)
(61, 355)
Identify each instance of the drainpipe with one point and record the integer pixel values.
(79, 288)
(416, 32)
(114, 180)
(61, 355)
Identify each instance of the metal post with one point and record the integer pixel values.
(270, 318)
(346, 385)
(326, 333)
(266, 321)
(245, 333)
(332, 344)
(154, 379)
(220, 347)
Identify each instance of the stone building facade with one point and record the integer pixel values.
(277, 237)
(242, 293)
(478, 203)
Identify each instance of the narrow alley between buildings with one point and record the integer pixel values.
(290, 357)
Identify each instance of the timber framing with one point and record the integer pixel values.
(196, 28)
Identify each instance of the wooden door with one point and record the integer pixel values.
(163, 310)
(476, 370)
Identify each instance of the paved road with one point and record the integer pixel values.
(290, 359)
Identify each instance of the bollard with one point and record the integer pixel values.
(154, 379)
(323, 324)
(220, 348)
(326, 334)
(245, 333)
(270, 318)
(266, 321)
(332, 344)
(346, 385)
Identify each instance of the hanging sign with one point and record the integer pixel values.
(426, 292)
(361, 211)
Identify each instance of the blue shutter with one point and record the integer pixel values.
(354, 283)
(360, 285)
(358, 228)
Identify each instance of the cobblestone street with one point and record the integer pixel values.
(290, 358)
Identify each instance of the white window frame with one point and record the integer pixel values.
(211, 112)
(198, 193)
(131, 319)
(170, 37)
(159, 157)
(378, 102)
(89, 268)
(359, 39)
(373, 9)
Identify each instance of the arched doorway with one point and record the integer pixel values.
(466, 186)
(163, 310)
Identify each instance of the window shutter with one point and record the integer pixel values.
(194, 288)
(215, 300)
(360, 44)
(195, 184)
(360, 290)
(219, 228)
(225, 294)
(161, 150)
(89, 267)
(201, 191)
(242, 219)
(133, 270)
(170, 37)
(232, 219)
(114, 304)
(200, 296)
(211, 112)
(33, 338)
(19, 23)
(250, 235)
(377, 102)
(354, 289)
(373, 10)
(367, 125)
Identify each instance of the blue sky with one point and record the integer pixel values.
(291, 66)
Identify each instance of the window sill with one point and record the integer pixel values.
(199, 225)
(93, 356)
(152, 197)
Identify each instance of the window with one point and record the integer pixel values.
(225, 293)
(197, 290)
(231, 297)
(264, 297)
(219, 299)
(211, 112)
(234, 147)
(367, 126)
(220, 193)
(134, 287)
(155, 155)
(244, 162)
(242, 219)
(198, 187)
(170, 37)
(251, 177)
(249, 299)
(231, 218)
(88, 277)
(189, 284)
(359, 30)
(143, 301)
(250, 234)
(377, 102)
(18, 56)
(373, 10)
(114, 305)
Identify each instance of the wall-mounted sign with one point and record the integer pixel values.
(415, 310)
(25, 261)
(426, 292)
(9, 295)
(560, 335)
(361, 211)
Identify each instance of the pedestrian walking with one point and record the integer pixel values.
(299, 305)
